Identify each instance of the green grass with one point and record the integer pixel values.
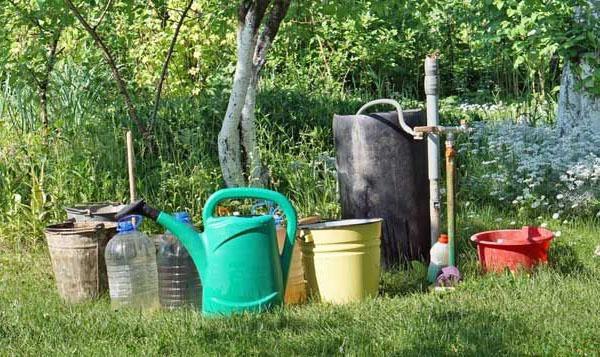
(552, 311)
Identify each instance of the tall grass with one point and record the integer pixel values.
(82, 157)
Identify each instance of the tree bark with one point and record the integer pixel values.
(248, 133)
(229, 136)
(237, 139)
(256, 173)
(577, 107)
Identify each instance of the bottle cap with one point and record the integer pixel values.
(182, 217)
(129, 223)
(443, 239)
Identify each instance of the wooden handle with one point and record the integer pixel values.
(131, 166)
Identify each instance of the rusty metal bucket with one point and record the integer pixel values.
(77, 254)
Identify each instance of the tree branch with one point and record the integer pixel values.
(43, 84)
(113, 66)
(165, 67)
(267, 36)
(259, 7)
(103, 14)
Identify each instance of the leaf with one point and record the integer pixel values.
(519, 61)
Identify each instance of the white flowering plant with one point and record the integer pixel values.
(533, 169)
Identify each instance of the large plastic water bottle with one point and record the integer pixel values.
(438, 258)
(131, 267)
(178, 279)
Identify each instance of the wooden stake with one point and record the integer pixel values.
(130, 166)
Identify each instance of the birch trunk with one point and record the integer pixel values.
(249, 141)
(229, 137)
(237, 138)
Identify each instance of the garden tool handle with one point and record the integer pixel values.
(264, 194)
(403, 124)
(130, 166)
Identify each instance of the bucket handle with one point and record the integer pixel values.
(264, 194)
(86, 212)
(401, 121)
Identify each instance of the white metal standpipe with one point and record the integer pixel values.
(433, 144)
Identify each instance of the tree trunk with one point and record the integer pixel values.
(576, 106)
(237, 138)
(248, 133)
(254, 168)
(229, 137)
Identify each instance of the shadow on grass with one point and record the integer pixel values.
(404, 281)
(469, 331)
(565, 260)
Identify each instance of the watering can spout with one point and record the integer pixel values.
(191, 239)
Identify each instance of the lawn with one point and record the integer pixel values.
(552, 311)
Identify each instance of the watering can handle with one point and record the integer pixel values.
(403, 124)
(264, 194)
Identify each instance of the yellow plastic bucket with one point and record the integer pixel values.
(341, 259)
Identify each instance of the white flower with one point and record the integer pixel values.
(556, 215)
(535, 204)
(512, 223)
(544, 225)
(557, 233)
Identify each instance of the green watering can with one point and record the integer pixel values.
(237, 256)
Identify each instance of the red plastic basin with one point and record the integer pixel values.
(512, 248)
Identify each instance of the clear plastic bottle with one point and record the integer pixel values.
(438, 258)
(131, 267)
(178, 279)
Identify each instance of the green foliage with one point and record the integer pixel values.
(30, 28)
